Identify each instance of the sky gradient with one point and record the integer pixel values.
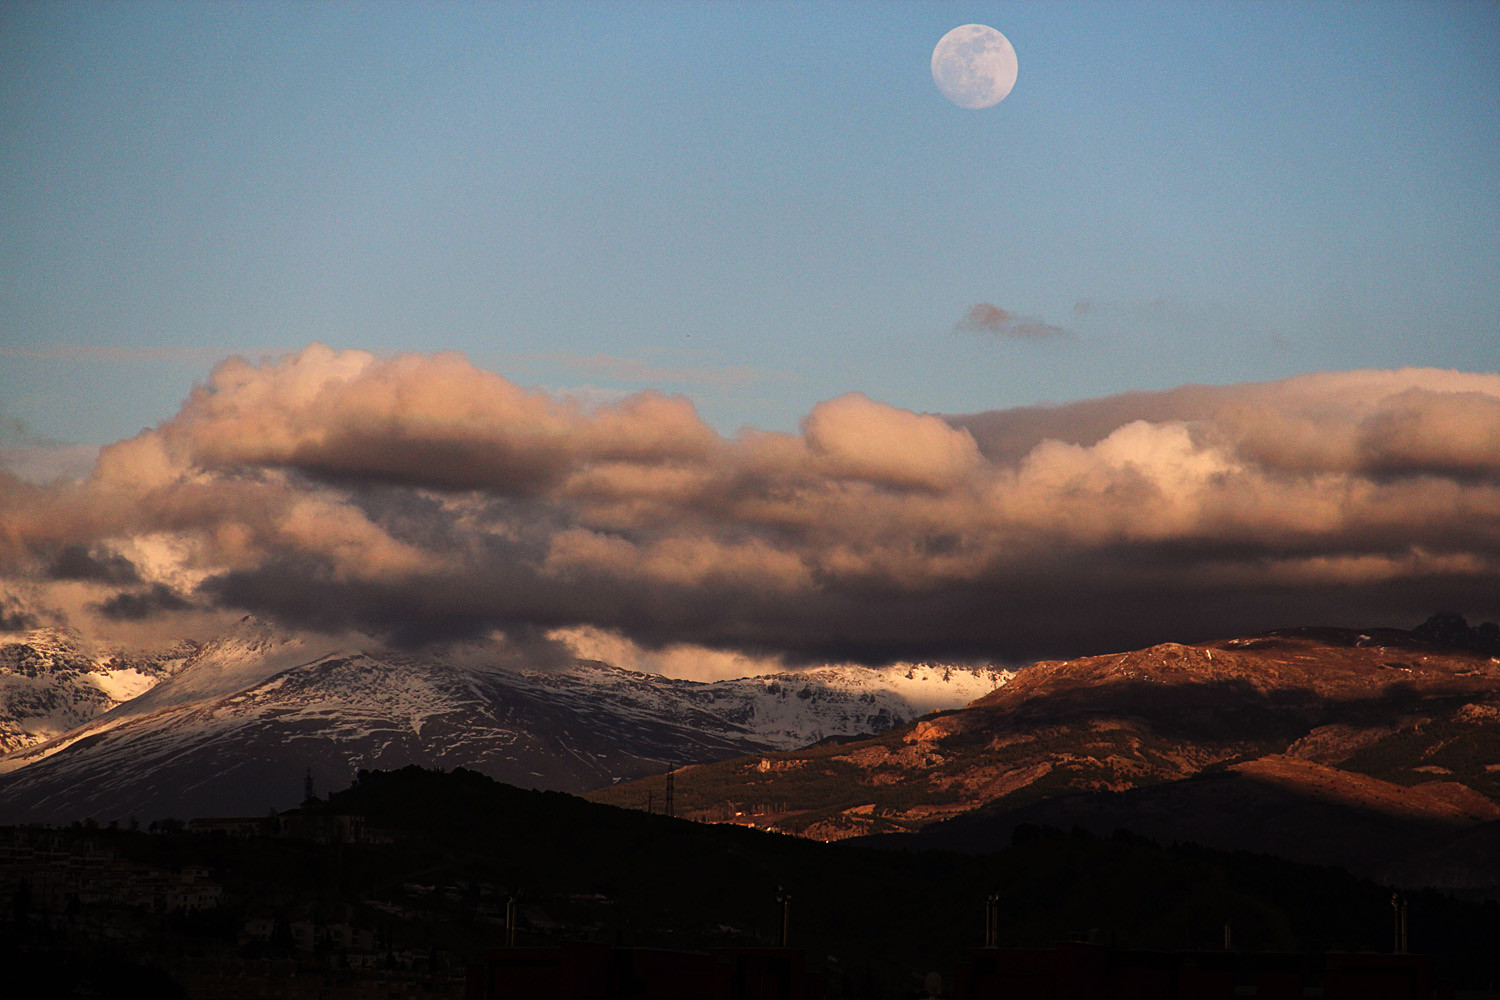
(748, 212)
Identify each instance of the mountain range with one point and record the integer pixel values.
(235, 726)
(1376, 750)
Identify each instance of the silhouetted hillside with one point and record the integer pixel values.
(431, 859)
(676, 882)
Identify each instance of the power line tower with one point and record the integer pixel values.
(307, 787)
(671, 792)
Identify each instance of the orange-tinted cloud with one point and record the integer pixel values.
(426, 497)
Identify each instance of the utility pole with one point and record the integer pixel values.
(671, 788)
(992, 920)
(1398, 906)
(785, 899)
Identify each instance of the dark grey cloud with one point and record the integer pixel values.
(14, 617)
(138, 605)
(77, 562)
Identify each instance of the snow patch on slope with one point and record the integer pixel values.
(244, 716)
(52, 681)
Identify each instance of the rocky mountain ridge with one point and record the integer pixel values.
(236, 727)
(1332, 737)
(52, 680)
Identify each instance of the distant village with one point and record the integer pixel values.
(42, 871)
(73, 890)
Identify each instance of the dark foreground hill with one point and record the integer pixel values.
(430, 861)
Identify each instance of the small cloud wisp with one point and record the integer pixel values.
(987, 318)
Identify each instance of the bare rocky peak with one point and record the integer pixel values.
(42, 649)
(1311, 663)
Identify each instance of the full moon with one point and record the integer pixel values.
(974, 66)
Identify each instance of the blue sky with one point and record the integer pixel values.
(764, 210)
(758, 205)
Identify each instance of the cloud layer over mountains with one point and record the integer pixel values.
(422, 496)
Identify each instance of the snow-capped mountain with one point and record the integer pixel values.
(234, 730)
(52, 681)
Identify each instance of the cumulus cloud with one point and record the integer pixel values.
(425, 498)
(417, 420)
(855, 437)
(987, 318)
